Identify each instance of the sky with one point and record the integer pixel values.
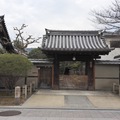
(50, 14)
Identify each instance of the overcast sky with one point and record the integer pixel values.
(50, 14)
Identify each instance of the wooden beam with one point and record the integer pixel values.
(52, 76)
(56, 73)
(93, 75)
(119, 74)
(91, 78)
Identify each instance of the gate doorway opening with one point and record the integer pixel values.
(45, 77)
(73, 75)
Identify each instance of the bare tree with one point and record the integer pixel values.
(20, 41)
(109, 17)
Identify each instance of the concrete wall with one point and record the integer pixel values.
(105, 76)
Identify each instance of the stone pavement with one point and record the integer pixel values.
(62, 114)
(73, 99)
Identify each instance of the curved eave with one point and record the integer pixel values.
(76, 50)
(4, 27)
(69, 51)
(8, 47)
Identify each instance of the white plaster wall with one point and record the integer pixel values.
(105, 76)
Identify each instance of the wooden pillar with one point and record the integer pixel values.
(90, 73)
(93, 74)
(39, 75)
(25, 80)
(52, 76)
(86, 68)
(119, 81)
(56, 73)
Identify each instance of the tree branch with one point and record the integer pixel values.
(109, 17)
(20, 41)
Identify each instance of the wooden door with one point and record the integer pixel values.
(45, 77)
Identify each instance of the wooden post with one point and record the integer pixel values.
(90, 71)
(119, 74)
(56, 73)
(119, 89)
(114, 87)
(119, 82)
(39, 69)
(89, 74)
(23, 90)
(86, 71)
(33, 86)
(25, 80)
(52, 76)
(30, 88)
(93, 75)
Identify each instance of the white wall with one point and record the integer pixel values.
(105, 76)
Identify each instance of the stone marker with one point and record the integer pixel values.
(17, 95)
(25, 91)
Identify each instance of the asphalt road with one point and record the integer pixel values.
(58, 114)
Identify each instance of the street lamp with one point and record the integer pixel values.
(74, 58)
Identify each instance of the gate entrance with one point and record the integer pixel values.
(45, 77)
(73, 76)
(67, 45)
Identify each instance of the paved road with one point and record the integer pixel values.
(62, 114)
(73, 99)
(66, 105)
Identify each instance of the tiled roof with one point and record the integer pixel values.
(56, 40)
(2, 22)
(116, 62)
(4, 37)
